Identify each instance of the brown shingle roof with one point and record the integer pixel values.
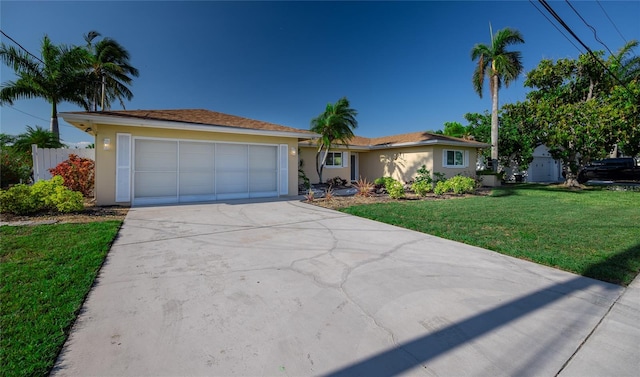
(409, 138)
(198, 116)
(417, 137)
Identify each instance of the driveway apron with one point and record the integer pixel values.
(283, 288)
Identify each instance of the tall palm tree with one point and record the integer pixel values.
(502, 67)
(57, 77)
(336, 123)
(110, 72)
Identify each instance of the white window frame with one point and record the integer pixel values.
(344, 157)
(465, 159)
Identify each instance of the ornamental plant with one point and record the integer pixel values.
(364, 187)
(384, 181)
(457, 185)
(395, 189)
(43, 195)
(421, 188)
(424, 175)
(78, 174)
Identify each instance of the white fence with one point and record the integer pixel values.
(47, 158)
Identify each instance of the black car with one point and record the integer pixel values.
(611, 169)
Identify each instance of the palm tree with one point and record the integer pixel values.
(39, 136)
(502, 67)
(336, 123)
(626, 65)
(109, 72)
(57, 77)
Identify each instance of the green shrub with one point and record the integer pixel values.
(43, 195)
(384, 181)
(424, 175)
(421, 188)
(441, 188)
(458, 185)
(44, 192)
(395, 189)
(66, 200)
(18, 200)
(461, 185)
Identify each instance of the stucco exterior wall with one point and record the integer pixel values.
(399, 163)
(106, 159)
(308, 156)
(403, 163)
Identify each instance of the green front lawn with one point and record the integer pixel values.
(46, 272)
(592, 232)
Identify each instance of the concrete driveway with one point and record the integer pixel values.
(282, 288)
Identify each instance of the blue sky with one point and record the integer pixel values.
(405, 66)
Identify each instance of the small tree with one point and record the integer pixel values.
(336, 123)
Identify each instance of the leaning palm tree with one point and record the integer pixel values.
(502, 67)
(109, 74)
(57, 77)
(336, 123)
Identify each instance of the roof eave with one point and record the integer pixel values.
(452, 143)
(77, 120)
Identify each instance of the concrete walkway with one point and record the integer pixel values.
(282, 288)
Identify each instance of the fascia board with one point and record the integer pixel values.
(175, 125)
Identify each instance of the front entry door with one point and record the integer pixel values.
(354, 167)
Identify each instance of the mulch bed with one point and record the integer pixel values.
(338, 202)
(91, 213)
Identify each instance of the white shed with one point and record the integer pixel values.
(544, 168)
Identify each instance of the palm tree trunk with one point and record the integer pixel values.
(320, 164)
(494, 122)
(53, 126)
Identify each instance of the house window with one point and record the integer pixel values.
(334, 159)
(455, 158)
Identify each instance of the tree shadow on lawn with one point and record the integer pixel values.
(516, 188)
(414, 353)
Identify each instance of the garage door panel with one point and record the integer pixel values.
(156, 155)
(231, 157)
(228, 182)
(155, 184)
(196, 156)
(197, 183)
(263, 181)
(263, 157)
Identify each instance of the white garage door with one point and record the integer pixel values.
(170, 171)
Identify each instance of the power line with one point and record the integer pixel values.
(25, 113)
(561, 21)
(595, 35)
(555, 26)
(610, 20)
(19, 45)
(37, 117)
(34, 116)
